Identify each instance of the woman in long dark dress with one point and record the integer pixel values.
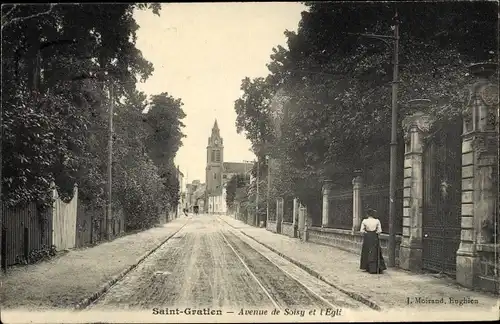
(371, 253)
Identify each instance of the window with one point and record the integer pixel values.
(224, 176)
(217, 156)
(215, 176)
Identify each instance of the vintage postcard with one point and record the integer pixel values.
(246, 162)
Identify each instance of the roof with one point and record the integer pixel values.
(237, 167)
(200, 192)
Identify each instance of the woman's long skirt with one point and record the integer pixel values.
(371, 254)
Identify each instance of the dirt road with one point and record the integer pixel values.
(208, 264)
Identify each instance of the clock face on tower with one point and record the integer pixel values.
(216, 142)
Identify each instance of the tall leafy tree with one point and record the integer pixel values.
(164, 118)
(338, 84)
(236, 181)
(55, 61)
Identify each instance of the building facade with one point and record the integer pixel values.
(194, 190)
(182, 192)
(218, 173)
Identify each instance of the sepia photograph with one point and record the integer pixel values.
(249, 162)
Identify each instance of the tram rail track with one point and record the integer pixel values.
(292, 279)
(252, 274)
(279, 281)
(352, 295)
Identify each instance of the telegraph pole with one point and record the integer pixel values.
(394, 146)
(257, 197)
(109, 209)
(2, 252)
(268, 160)
(394, 127)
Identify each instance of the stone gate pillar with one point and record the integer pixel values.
(279, 214)
(295, 211)
(479, 163)
(302, 219)
(326, 191)
(295, 218)
(357, 203)
(416, 127)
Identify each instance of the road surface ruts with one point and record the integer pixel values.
(195, 268)
(198, 268)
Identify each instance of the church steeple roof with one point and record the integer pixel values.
(215, 129)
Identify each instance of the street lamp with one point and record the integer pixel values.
(394, 124)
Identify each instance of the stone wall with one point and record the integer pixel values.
(347, 240)
(287, 229)
(488, 277)
(271, 226)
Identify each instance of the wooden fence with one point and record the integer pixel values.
(25, 229)
(64, 221)
(91, 224)
(65, 225)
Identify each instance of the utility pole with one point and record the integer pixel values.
(180, 185)
(2, 252)
(257, 197)
(393, 143)
(268, 160)
(394, 146)
(109, 206)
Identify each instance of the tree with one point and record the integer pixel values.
(338, 86)
(164, 140)
(9, 18)
(55, 60)
(237, 181)
(59, 63)
(254, 114)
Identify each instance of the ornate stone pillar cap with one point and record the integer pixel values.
(327, 184)
(419, 103)
(483, 69)
(358, 179)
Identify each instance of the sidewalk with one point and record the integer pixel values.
(73, 278)
(390, 290)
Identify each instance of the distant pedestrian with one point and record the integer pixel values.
(371, 253)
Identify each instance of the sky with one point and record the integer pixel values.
(200, 53)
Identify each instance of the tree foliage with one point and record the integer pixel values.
(59, 65)
(165, 121)
(336, 114)
(236, 182)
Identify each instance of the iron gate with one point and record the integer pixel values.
(442, 199)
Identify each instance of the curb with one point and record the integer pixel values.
(315, 274)
(88, 301)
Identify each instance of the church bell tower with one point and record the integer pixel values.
(215, 159)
